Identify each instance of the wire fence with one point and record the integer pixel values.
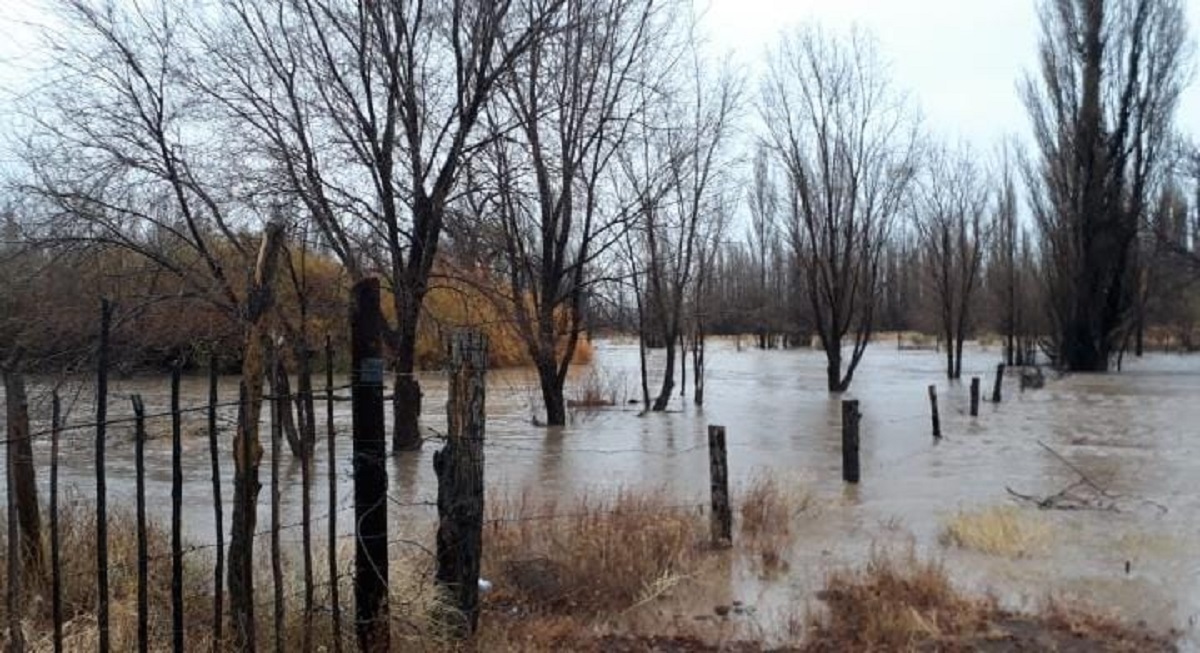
(207, 599)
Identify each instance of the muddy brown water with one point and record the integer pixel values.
(1136, 433)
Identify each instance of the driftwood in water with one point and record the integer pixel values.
(1083, 494)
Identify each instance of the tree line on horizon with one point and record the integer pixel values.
(551, 168)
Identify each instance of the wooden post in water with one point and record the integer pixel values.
(143, 548)
(218, 513)
(718, 470)
(16, 641)
(974, 396)
(176, 513)
(370, 474)
(279, 403)
(933, 407)
(101, 485)
(999, 380)
(335, 609)
(459, 468)
(850, 420)
(55, 545)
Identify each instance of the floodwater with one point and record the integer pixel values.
(1136, 434)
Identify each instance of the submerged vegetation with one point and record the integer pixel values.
(999, 530)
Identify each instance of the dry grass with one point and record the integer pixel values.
(767, 512)
(892, 605)
(598, 389)
(998, 530)
(906, 604)
(592, 556)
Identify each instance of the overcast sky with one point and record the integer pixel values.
(960, 59)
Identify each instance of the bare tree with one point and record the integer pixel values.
(951, 204)
(763, 199)
(1102, 111)
(676, 170)
(565, 109)
(846, 141)
(368, 111)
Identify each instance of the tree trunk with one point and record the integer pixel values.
(833, 367)
(406, 397)
(20, 466)
(668, 382)
(552, 393)
(958, 355)
(281, 387)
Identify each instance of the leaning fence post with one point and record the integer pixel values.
(55, 552)
(218, 513)
(370, 474)
(850, 420)
(101, 485)
(974, 396)
(176, 514)
(459, 468)
(718, 469)
(143, 549)
(933, 408)
(999, 379)
(335, 606)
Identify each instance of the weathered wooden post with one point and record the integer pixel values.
(218, 512)
(718, 466)
(999, 380)
(247, 447)
(459, 468)
(335, 608)
(933, 407)
(279, 403)
(370, 474)
(143, 549)
(16, 641)
(101, 484)
(850, 420)
(974, 396)
(176, 514)
(55, 545)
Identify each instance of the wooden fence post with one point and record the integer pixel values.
(55, 545)
(16, 641)
(101, 485)
(974, 396)
(279, 403)
(247, 445)
(370, 475)
(143, 549)
(218, 513)
(176, 513)
(850, 420)
(718, 469)
(335, 609)
(459, 468)
(933, 407)
(999, 380)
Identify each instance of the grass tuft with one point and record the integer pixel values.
(998, 530)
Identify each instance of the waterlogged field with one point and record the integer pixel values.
(1125, 548)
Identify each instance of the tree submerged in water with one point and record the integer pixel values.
(1111, 75)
